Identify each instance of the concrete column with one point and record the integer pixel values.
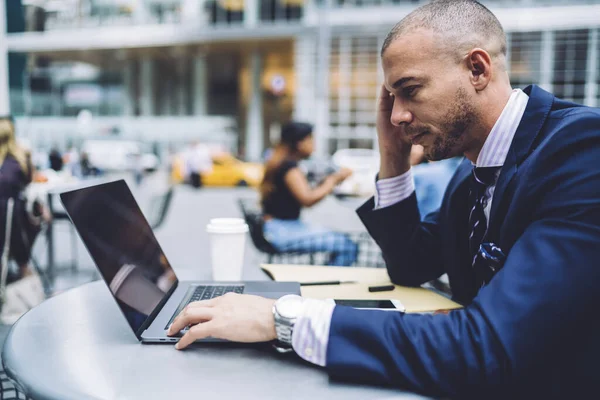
(181, 85)
(547, 61)
(172, 107)
(140, 12)
(591, 85)
(345, 75)
(190, 11)
(380, 40)
(164, 100)
(164, 86)
(310, 14)
(250, 13)
(254, 119)
(305, 66)
(4, 99)
(129, 92)
(147, 93)
(322, 125)
(200, 85)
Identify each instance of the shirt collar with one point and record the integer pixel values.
(496, 146)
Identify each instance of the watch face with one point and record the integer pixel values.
(289, 306)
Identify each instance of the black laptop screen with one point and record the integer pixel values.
(123, 246)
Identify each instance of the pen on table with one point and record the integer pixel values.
(385, 288)
(325, 283)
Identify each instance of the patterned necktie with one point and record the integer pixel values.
(481, 179)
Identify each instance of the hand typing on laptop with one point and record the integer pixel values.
(235, 317)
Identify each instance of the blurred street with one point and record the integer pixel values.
(183, 236)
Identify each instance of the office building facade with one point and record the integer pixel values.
(238, 68)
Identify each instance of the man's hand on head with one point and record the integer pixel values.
(394, 146)
(235, 317)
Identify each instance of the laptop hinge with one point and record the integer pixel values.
(156, 311)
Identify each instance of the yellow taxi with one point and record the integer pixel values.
(227, 171)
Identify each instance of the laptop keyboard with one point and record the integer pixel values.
(206, 293)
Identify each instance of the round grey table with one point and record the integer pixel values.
(77, 345)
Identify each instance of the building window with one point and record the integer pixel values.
(570, 62)
(353, 84)
(525, 56)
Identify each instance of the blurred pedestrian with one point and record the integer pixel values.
(86, 167)
(138, 168)
(15, 174)
(198, 160)
(71, 161)
(55, 159)
(285, 191)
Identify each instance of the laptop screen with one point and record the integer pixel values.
(123, 247)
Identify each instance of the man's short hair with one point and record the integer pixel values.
(462, 25)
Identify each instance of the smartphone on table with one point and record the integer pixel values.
(376, 304)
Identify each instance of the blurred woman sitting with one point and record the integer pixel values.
(285, 190)
(15, 174)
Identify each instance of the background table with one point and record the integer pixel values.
(77, 345)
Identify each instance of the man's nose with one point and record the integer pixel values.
(400, 113)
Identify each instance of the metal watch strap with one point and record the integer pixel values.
(283, 328)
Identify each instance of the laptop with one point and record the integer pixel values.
(134, 267)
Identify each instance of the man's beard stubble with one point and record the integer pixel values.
(461, 116)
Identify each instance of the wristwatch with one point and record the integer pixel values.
(285, 313)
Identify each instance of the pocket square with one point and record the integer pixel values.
(493, 255)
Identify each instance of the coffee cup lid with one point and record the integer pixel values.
(240, 228)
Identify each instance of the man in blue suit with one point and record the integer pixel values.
(518, 232)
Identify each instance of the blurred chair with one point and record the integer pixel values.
(9, 389)
(63, 216)
(369, 254)
(159, 206)
(8, 266)
(254, 219)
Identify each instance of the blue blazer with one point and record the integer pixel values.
(532, 332)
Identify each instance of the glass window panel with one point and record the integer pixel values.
(525, 58)
(570, 63)
(353, 83)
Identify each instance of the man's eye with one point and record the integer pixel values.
(409, 91)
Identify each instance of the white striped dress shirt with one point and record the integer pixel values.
(311, 332)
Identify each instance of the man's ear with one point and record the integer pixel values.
(479, 63)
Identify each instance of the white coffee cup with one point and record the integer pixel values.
(227, 242)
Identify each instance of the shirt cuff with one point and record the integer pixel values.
(390, 191)
(311, 331)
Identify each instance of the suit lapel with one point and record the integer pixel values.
(536, 112)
